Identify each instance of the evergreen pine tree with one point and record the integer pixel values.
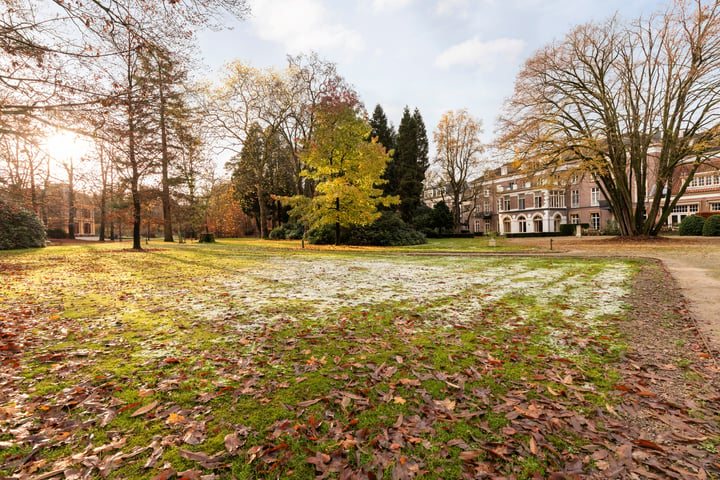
(387, 137)
(411, 162)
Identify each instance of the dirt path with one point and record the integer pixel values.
(700, 288)
(693, 262)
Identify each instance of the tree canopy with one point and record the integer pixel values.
(627, 103)
(457, 140)
(346, 166)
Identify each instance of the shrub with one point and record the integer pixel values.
(611, 228)
(19, 228)
(288, 231)
(57, 233)
(711, 228)
(325, 235)
(389, 230)
(692, 225)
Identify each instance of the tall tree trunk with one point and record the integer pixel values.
(135, 179)
(103, 214)
(337, 222)
(71, 200)
(137, 210)
(46, 187)
(456, 211)
(263, 211)
(132, 157)
(104, 165)
(167, 213)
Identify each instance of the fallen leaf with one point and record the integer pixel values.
(145, 409)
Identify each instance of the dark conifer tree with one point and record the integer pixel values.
(411, 162)
(387, 137)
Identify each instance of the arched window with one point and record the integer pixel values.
(522, 225)
(557, 222)
(507, 226)
(538, 224)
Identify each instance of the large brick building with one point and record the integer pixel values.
(509, 200)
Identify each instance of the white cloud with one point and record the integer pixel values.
(483, 55)
(447, 8)
(390, 5)
(302, 25)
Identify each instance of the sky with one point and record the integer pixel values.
(434, 55)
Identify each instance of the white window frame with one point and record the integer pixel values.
(556, 199)
(522, 225)
(595, 197)
(538, 200)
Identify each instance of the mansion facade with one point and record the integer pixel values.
(509, 200)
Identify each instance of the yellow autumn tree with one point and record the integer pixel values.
(347, 166)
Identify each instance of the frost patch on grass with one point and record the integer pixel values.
(444, 292)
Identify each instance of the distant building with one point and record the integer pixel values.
(509, 200)
(57, 210)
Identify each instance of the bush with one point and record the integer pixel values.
(19, 228)
(711, 228)
(57, 233)
(325, 235)
(288, 231)
(612, 228)
(692, 225)
(389, 230)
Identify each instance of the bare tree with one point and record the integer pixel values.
(628, 103)
(458, 150)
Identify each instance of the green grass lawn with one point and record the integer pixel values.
(252, 359)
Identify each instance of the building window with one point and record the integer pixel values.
(487, 192)
(574, 218)
(538, 224)
(574, 178)
(693, 208)
(556, 223)
(506, 203)
(486, 207)
(507, 228)
(715, 207)
(595, 197)
(487, 227)
(522, 225)
(716, 179)
(595, 221)
(477, 226)
(538, 200)
(557, 199)
(575, 199)
(521, 203)
(500, 205)
(512, 186)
